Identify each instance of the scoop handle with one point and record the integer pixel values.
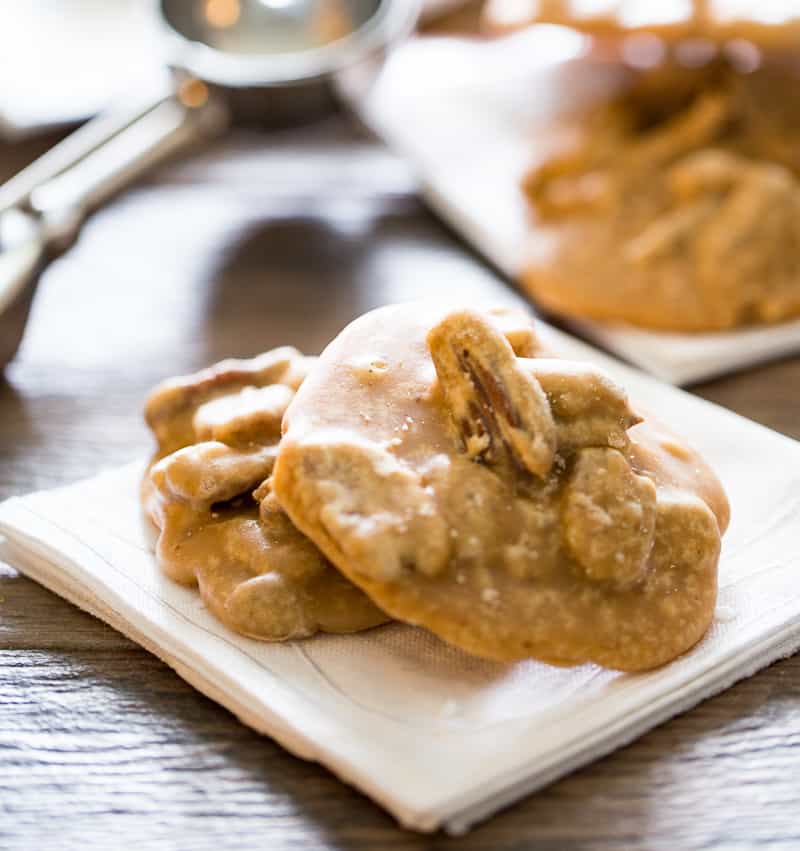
(186, 115)
(55, 194)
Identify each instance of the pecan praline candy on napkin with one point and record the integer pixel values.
(436, 736)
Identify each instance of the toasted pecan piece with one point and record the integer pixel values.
(499, 409)
(588, 408)
(171, 407)
(608, 516)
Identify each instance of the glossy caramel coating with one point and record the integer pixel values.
(515, 506)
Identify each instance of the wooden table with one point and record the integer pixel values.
(268, 239)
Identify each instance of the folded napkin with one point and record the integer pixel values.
(466, 113)
(435, 736)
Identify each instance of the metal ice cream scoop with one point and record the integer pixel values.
(228, 60)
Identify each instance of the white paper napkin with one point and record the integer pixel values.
(466, 113)
(437, 737)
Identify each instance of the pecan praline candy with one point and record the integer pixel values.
(513, 503)
(208, 490)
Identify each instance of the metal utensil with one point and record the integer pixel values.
(228, 59)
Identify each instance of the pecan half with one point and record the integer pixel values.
(708, 171)
(251, 416)
(589, 408)
(171, 407)
(210, 472)
(698, 125)
(608, 516)
(498, 408)
(759, 213)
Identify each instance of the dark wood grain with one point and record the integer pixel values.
(260, 241)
